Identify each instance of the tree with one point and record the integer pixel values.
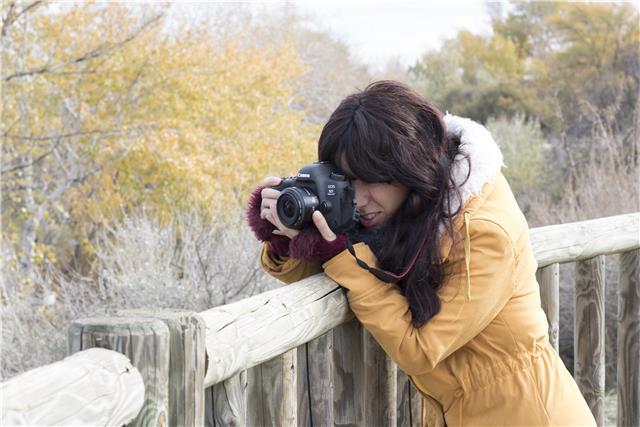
(107, 108)
(574, 67)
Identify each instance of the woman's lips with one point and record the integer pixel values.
(369, 219)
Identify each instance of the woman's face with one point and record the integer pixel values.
(377, 201)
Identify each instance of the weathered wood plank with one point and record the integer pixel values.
(380, 384)
(186, 363)
(92, 387)
(348, 375)
(272, 392)
(244, 334)
(146, 343)
(589, 342)
(226, 403)
(305, 418)
(629, 340)
(549, 280)
(316, 305)
(209, 405)
(408, 402)
(315, 382)
(583, 240)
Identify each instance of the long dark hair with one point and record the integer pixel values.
(389, 132)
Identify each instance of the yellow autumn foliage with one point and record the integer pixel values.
(125, 111)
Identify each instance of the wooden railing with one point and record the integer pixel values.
(296, 355)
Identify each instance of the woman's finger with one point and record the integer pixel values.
(270, 217)
(271, 181)
(269, 193)
(323, 227)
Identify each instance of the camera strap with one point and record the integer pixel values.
(383, 275)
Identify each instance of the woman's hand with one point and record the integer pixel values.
(268, 207)
(317, 244)
(268, 211)
(323, 227)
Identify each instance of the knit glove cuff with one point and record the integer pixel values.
(262, 228)
(310, 246)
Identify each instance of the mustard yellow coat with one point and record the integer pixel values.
(485, 358)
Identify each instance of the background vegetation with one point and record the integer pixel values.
(131, 136)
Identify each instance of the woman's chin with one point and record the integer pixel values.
(372, 223)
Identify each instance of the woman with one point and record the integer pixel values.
(463, 318)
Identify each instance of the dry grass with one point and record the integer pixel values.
(142, 264)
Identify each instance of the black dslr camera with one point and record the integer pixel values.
(318, 186)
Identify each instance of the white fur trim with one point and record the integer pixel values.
(484, 154)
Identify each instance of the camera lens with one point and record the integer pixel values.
(295, 206)
(289, 208)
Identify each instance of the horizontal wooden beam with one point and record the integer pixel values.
(92, 387)
(578, 241)
(246, 333)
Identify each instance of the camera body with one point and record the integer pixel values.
(318, 186)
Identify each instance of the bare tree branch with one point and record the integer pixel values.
(12, 17)
(65, 135)
(33, 162)
(95, 53)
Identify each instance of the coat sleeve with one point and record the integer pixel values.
(384, 311)
(285, 269)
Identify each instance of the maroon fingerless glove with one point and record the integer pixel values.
(308, 245)
(262, 228)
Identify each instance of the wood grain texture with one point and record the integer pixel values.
(408, 402)
(589, 342)
(549, 280)
(91, 387)
(246, 333)
(272, 392)
(380, 384)
(315, 382)
(186, 363)
(629, 340)
(226, 402)
(250, 332)
(349, 392)
(146, 343)
(583, 240)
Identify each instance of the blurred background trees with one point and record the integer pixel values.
(132, 135)
(574, 68)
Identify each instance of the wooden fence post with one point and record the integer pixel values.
(408, 402)
(272, 392)
(629, 340)
(187, 360)
(226, 402)
(348, 374)
(549, 280)
(146, 343)
(315, 382)
(589, 347)
(380, 384)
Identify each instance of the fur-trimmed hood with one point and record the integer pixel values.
(486, 161)
(484, 154)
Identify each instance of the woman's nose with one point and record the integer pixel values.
(362, 196)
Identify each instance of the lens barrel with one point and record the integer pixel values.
(295, 207)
